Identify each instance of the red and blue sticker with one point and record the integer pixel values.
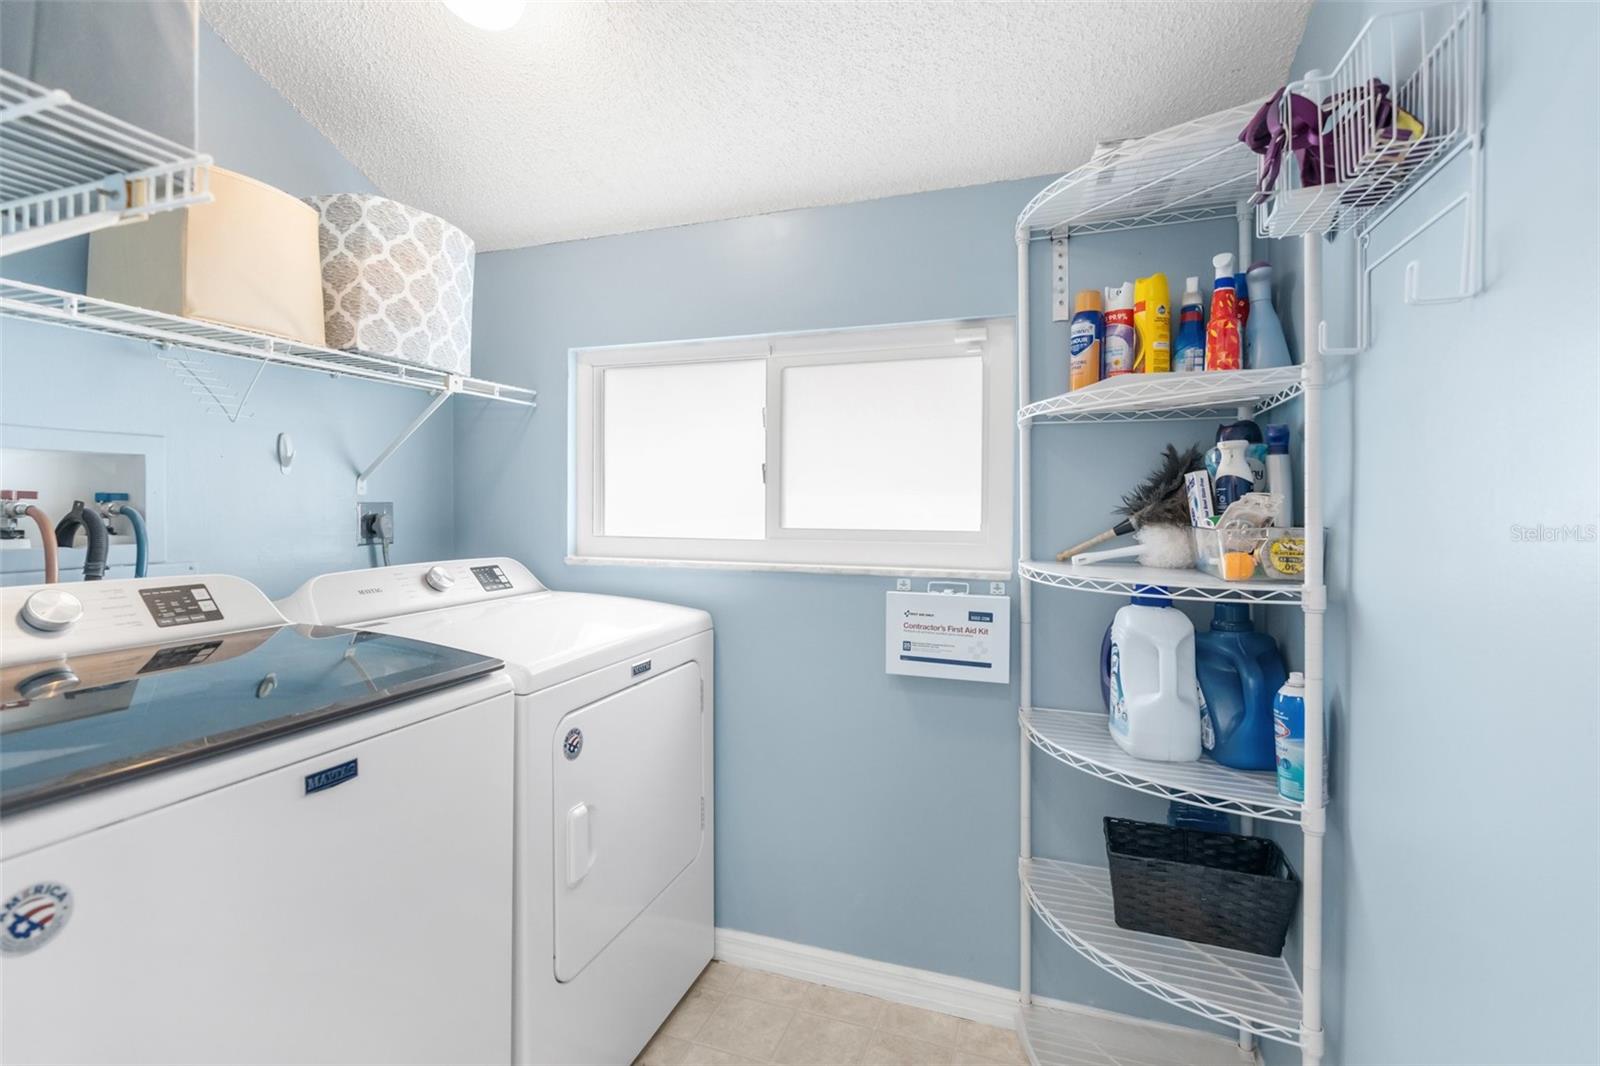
(32, 917)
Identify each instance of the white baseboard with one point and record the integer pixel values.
(989, 1004)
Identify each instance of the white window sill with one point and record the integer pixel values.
(796, 568)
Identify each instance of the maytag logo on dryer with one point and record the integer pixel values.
(641, 668)
(32, 917)
(369, 592)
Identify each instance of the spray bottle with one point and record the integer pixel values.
(1223, 348)
(1088, 338)
(1122, 341)
(1152, 320)
(1190, 354)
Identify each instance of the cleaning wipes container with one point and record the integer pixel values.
(1155, 711)
(1240, 672)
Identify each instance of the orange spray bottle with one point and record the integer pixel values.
(1224, 342)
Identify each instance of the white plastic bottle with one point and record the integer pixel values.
(1155, 710)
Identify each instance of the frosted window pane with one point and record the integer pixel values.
(683, 450)
(884, 445)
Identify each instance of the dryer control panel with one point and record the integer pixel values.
(358, 596)
(77, 618)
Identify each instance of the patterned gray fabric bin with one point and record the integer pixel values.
(396, 281)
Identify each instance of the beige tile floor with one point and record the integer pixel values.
(738, 1016)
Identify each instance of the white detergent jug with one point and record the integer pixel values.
(1155, 712)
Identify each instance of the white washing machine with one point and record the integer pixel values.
(614, 858)
(226, 839)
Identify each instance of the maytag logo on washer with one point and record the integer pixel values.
(33, 916)
(573, 745)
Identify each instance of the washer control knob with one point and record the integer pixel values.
(439, 579)
(52, 610)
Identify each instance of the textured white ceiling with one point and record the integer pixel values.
(595, 118)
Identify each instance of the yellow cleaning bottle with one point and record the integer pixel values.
(1152, 320)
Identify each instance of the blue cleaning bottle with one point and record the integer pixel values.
(1264, 342)
(1240, 672)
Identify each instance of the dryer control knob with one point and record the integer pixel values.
(438, 578)
(51, 610)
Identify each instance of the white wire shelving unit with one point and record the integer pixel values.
(1200, 171)
(1080, 739)
(1253, 993)
(177, 340)
(1125, 579)
(1148, 397)
(67, 169)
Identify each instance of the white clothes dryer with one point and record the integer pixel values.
(613, 822)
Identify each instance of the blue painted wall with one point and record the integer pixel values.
(230, 508)
(860, 812)
(1463, 850)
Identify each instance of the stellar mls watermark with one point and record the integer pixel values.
(1569, 533)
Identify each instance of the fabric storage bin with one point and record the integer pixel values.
(247, 259)
(396, 281)
(1212, 888)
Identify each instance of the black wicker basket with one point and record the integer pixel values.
(1212, 888)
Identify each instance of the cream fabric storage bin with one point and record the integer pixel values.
(397, 282)
(247, 259)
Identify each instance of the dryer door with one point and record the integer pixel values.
(628, 775)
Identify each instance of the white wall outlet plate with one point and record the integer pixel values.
(997, 588)
(902, 584)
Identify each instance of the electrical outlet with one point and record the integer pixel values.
(902, 584)
(997, 588)
(363, 510)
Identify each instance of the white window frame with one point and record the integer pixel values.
(984, 553)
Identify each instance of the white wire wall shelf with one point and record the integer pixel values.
(1253, 993)
(1189, 173)
(35, 303)
(1150, 397)
(1374, 147)
(1081, 740)
(1125, 579)
(68, 169)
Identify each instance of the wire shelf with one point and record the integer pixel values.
(1153, 397)
(38, 304)
(1430, 59)
(1236, 988)
(68, 169)
(1081, 740)
(1055, 1037)
(1125, 579)
(1192, 172)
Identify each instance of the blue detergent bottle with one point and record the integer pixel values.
(1240, 672)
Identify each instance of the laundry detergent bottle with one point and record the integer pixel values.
(1155, 709)
(1240, 672)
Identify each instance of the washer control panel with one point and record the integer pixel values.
(83, 617)
(181, 605)
(492, 578)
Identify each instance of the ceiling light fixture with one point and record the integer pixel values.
(488, 14)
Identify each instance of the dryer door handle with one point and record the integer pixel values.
(580, 844)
